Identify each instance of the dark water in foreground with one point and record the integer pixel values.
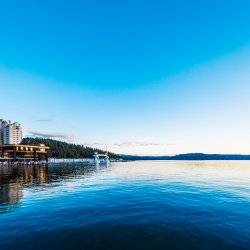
(133, 205)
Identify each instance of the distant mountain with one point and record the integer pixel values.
(60, 149)
(190, 156)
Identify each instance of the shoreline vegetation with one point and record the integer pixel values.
(59, 150)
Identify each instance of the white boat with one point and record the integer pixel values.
(101, 158)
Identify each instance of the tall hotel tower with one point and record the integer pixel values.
(10, 133)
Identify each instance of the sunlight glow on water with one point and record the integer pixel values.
(129, 205)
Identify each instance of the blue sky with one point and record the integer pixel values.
(141, 77)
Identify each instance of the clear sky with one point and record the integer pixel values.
(135, 76)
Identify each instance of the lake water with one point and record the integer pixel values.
(127, 205)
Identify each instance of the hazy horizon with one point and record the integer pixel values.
(132, 77)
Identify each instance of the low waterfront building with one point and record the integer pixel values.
(18, 152)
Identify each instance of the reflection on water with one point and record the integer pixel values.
(127, 205)
(14, 178)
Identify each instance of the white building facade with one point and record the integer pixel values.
(10, 133)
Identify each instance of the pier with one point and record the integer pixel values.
(14, 153)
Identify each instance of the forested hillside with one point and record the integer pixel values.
(60, 149)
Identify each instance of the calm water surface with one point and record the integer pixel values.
(131, 205)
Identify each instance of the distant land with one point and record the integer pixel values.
(190, 156)
(59, 149)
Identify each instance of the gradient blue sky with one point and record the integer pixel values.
(139, 77)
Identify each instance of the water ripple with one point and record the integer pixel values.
(132, 205)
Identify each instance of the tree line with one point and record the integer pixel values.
(59, 149)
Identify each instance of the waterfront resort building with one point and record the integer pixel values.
(10, 133)
(12, 151)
